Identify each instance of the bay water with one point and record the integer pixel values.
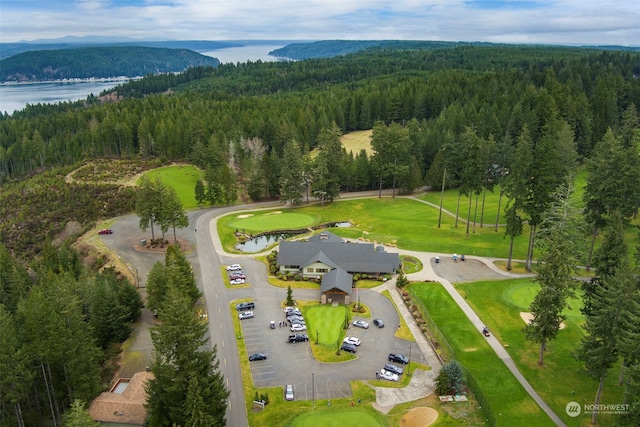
(15, 97)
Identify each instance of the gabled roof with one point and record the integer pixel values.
(353, 257)
(337, 279)
(319, 257)
(325, 236)
(126, 407)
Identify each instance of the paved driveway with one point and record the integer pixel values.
(289, 363)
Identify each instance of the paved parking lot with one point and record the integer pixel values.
(293, 363)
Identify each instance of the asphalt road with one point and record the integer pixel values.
(286, 363)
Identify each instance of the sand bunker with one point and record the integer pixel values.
(528, 317)
(419, 417)
(274, 213)
(245, 216)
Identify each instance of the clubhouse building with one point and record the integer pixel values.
(326, 257)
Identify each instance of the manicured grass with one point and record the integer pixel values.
(406, 223)
(270, 220)
(510, 403)
(182, 179)
(410, 264)
(328, 417)
(561, 379)
(328, 321)
(403, 331)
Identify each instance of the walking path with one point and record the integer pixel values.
(427, 273)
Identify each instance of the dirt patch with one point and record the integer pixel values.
(528, 317)
(419, 417)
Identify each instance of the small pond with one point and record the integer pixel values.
(259, 243)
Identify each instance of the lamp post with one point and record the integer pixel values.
(409, 372)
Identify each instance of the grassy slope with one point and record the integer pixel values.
(509, 401)
(182, 178)
(561, 379)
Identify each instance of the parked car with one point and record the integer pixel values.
(298, 338)
(244, 306)
(388, 375)
(361, 324)
(292, 310)
(288, 392)
(236, 276)
(298, 327)
(352, 340)
(105, 231)
(349, 347)
(236, 282)
(393, 368)
(234, 267)
(294, 318)
(257, 356)
(378, 322)
(398, 358)
(246, 315)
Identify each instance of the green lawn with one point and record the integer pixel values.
(270, 220)
(561, 379)
(327, 321)
(182, 178)
(510, 403)
(328, 417)
(407, 223)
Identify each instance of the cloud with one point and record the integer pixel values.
(530, 21)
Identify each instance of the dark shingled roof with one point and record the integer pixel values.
(336, 279)
(353, 257)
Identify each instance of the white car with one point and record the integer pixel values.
(388, 375)
(352, 340)
(237, 282)
(234, 267)
(246, 315)
(361, 324)
(298, 328)
(288, 392)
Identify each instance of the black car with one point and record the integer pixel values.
(349, 347)
(393, 368)
(244, 306)
(257, 356)
(378, 322)
(298, 338)
(398, 358)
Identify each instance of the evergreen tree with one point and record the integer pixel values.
(187, 388)
(180, 273)
(157, 286)
(291, 177)
(556, 271)
(78, 416)
(329, 164)
(200, 193)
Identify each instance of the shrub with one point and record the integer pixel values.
(297, 276)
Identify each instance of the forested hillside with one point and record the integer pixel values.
(98, 62)
(235, 121)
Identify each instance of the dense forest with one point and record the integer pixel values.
(234, 121)
(523, 118)
(98, 62)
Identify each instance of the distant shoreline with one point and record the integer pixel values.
(76, 80)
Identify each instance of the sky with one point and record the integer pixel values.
(582, 22)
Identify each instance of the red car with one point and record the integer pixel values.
(105, 231)
(236, 276)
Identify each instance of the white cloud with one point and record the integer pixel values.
(558, 21)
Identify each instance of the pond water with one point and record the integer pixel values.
(259, 243)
